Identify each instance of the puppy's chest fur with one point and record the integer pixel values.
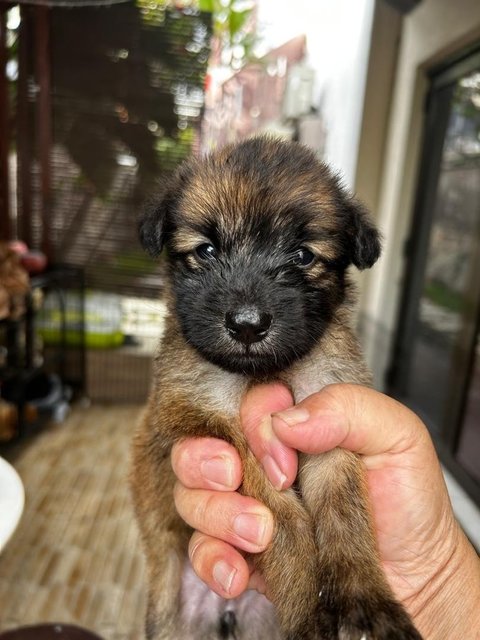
(220, 391)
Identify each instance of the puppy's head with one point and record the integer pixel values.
(259, 236)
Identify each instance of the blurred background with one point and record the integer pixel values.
(99, 101)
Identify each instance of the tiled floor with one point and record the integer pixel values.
(75, 556)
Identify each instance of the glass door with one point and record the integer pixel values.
(468, 453)
(436, 367)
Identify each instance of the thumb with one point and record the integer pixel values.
(350, 416)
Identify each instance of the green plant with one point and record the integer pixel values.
(231, 22)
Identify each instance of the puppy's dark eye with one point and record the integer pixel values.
(206, 252)
(303, 257)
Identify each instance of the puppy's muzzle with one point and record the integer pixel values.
(247, 324)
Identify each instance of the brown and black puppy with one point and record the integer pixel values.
(259, 237)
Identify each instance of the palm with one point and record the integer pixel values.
(409, 520)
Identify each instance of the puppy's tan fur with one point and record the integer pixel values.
(322, 568)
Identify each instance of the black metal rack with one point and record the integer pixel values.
(31, 364)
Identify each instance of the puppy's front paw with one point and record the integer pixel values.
(366, 618)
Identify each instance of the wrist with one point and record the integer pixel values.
(448, 605)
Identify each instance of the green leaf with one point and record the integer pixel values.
(237, 20)
(206, 5)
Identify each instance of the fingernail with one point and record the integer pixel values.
(218, 470)
(224, 574)
(273, 471)
(252, 527)
(292, 417)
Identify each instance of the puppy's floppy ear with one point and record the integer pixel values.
(155, 222)
(365, 246)
(152, 225)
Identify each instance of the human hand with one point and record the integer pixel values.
(209, 472)
(421, 546)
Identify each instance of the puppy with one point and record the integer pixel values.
(259, 237)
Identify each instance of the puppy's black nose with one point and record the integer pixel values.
(247, 324)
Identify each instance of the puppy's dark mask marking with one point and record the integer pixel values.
(255, 206)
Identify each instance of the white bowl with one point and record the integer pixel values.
(12, 500)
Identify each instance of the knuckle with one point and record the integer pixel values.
(210, 509)
(200, 556)
(179, 497)
(196, 516)
(334, 395)
(195, 551)
(205, 513)
(181, 456)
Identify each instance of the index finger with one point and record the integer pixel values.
(278, 460)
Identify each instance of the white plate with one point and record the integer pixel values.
(12, 500)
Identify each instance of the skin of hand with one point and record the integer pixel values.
(430, 565)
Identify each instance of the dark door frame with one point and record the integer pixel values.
(445, 435)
